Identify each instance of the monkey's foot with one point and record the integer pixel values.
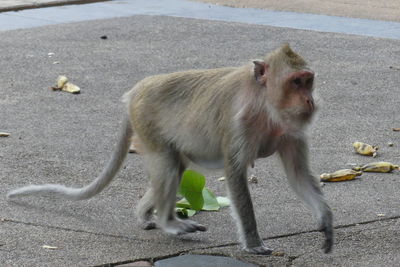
(148, 225)
(328, 244)
(178, 227)
(261, 250)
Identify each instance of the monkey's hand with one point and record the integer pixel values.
(328, 244)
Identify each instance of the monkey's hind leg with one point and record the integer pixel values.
(145, 211)
(165, 170)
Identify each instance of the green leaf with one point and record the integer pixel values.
(210, 201)
(191, 212)
(191, 188)
(223, 201)
(183, 203)
(184, 213)
(181, 212)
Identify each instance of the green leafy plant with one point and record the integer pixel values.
(196, 197)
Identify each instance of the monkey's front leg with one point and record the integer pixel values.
(294, 156)
(242, 207)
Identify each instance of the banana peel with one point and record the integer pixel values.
(340, 175)
(365, 149)
(64, 85)
(4, 134)
(61, 81)
(380, 166)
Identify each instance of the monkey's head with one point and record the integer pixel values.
(288, 83)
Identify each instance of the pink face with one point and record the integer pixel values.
(297, 93)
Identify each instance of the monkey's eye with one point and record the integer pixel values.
(297, 81)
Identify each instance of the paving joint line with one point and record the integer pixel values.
(3, 220)
(216, 246)
(153, 259)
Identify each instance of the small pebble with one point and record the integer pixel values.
(253, 179)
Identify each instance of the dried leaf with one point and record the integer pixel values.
(396, 129)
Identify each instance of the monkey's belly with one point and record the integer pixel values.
(209, 163)
(268, 148)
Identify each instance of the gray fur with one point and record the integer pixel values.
(228, 115)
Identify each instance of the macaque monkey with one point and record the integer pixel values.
(216, 118)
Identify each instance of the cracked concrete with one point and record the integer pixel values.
(353, 245)
(294, 249)
(62, 138)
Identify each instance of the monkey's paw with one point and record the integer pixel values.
(261, 250)
(148, 225)
(178, 227)
(328, 231)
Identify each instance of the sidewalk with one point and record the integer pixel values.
(197, 10)
(14, 5)
(378, 10)
(62, 138)
(388, 10)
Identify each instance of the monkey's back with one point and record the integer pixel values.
(187, 108)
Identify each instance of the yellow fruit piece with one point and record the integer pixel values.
(61, 81)
(340, 175)
(71, 88)
(3, 134)
(380, 166)
(365, 149)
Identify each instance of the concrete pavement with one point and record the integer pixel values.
(186, 9)
(367, 9)
(15, 5)
(387, 10)
(62, 138)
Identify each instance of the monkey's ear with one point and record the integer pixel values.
(260, 72)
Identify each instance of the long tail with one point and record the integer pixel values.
(94, 187)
